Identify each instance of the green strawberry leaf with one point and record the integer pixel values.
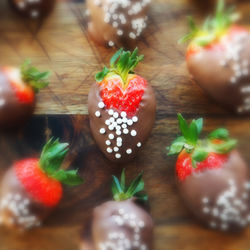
(115, 57)
(101, 75)
(51, 159)
(121, 192)
(176, 146)
(33, 77)
(70, 177)
(52, 155)
(199, 155)
(220, 133)
(225, 147)
(199, 125)
(193, 133)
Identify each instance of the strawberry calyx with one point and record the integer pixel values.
(32, 77)
(122, 64)
(50, 162)
(217, 142)
(213, 28)
(122, 192)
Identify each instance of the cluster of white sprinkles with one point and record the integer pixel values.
(116, 125)
(18, 207)
(2, 99)
(240, 68)
(120, 13)
(118, 240)
(230, 207)
(24, 4)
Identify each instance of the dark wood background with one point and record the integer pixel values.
(62, 45)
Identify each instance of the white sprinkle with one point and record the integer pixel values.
(118, 156)
(118, 132)
(121, 211)
(129, 151)
(119, 139)
(107, 122)
(109, 150)
(2, 102)
(116, 149)
(123, 114)
(115, 115)
(119, 121)
(111, 112)
(97, 114)
(133, 133)
(111, 127)
(102, 131)
(124, 126)
(206, 210)
(119, 32)
(112, 119)
(130, 122)
(205, 200)
(135, 119)
(125, 131)
(111, 136)
(111, 43)
(118, 127)
(108, 142)
(119, 144)
(141, 224)
(139, 144)
(101, 105)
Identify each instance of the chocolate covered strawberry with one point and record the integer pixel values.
(218, 59)
(116, 22)
(122, 223)
(17, 93)
(212, 177)
(33, 8)
(32, 187)
(121, 107)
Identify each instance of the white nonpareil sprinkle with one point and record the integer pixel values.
(123, 114)
(109, 150)
(116, 149)
(97, 114)
(111, 112)
(133, 133)
(135, 119)
(108, 142)
(118, 156)
(139, 144)
(129, 151)
(101, 105)
(111, 136)
(102, 131)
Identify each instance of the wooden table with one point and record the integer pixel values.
(62, 44)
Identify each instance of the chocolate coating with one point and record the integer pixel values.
(130, 144)
(18, 210)
(225, 73)
(117, 22)
(12, 112)
(33, 8)
(119, 224)
(219, 198)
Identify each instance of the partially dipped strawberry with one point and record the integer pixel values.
(212, 177)
(218, 59)
(17, 93)
(123, 223)
(121, 107)
(32, 187)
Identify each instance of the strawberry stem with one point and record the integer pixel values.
(51, 159)
(33, 77)
(213, 27)
(122, 63)
(122, 192)
(217, 141)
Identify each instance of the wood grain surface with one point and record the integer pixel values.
(61, 44)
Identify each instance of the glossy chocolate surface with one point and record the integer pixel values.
(224, 73)
(122, 224)
(117, 22)
(219, 198)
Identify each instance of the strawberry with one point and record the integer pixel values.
(123, 223)
(218, 58)
(118, 104)
(211, 176)
(33, 9)
(17, 93)
(32, 187)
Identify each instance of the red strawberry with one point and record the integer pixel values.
(123, 223)
(17, 93)
(218, 59)
(119, 103)
(212, 177)
(32, 187)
